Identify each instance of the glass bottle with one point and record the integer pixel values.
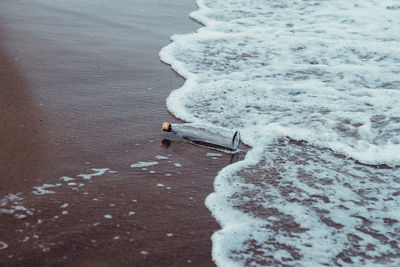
(203, 134)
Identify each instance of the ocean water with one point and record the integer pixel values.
(314, 88)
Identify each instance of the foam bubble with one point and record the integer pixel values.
(42, 190)
(66, 179)
(144, 164)
(161, 157)
(3, 245)
(97, 172)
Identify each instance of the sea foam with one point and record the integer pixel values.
(313, 86)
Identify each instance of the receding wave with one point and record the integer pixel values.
(313, 86)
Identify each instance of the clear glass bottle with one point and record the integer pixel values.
(204, 134)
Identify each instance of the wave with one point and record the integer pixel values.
(313, 88)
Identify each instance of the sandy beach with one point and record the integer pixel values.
(82, 101)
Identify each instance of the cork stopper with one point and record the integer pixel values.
(166, 126)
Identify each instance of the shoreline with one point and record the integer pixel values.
(93, 112)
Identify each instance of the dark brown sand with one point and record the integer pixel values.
(82, 87)
(19, 128)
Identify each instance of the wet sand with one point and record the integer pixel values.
(19, 130)
(83, 92)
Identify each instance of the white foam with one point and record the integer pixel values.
(97, 172)
(323, 73)
(317, 211)
(11, 198)
(21, 208)
(144, 164)
(42, 190)
(161, 157)
(66, 179)
(259, 81)
(3, 245)
(7, 211)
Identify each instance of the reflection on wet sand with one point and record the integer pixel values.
(234, 157)
(22, 151)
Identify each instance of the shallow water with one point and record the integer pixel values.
(92, 106)
(313, 88)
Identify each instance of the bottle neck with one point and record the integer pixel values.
(166, 126)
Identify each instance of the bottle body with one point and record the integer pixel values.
(208, 135)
